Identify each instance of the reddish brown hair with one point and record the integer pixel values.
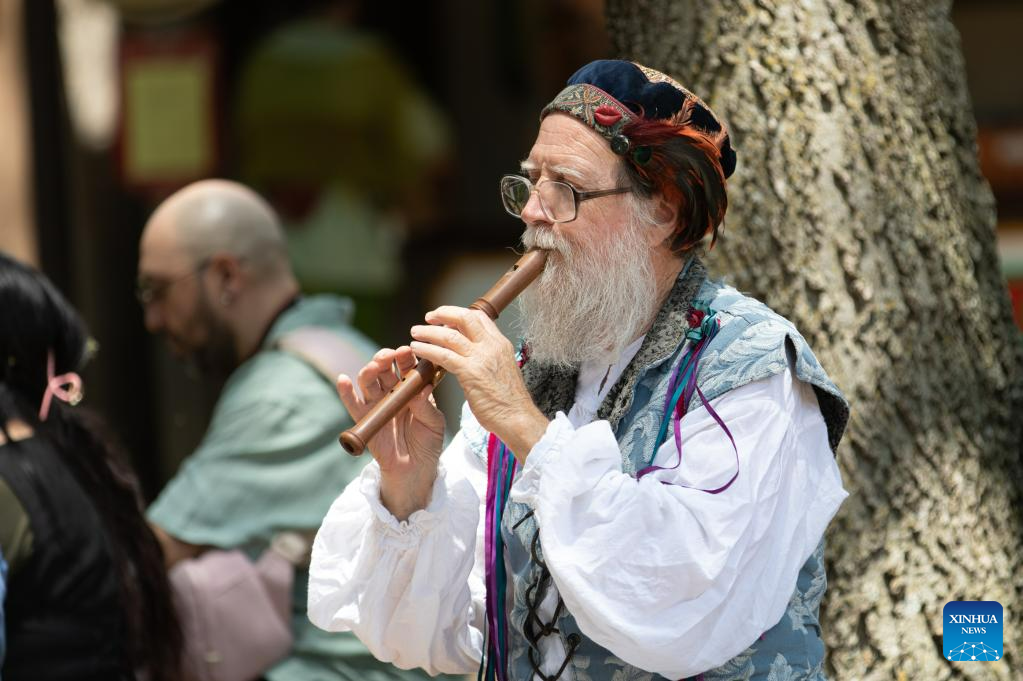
(681, 163)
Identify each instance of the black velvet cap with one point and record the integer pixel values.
(608, 93)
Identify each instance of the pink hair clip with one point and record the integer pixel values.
(66, 387)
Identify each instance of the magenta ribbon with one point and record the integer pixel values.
(501, 467)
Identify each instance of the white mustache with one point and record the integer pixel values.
(544, 238)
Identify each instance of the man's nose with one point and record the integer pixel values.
(533, 212)
(153, 318)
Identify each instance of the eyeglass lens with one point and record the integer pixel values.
(556, 197)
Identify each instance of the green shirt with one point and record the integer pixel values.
(270, 461)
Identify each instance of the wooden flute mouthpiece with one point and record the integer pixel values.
(492, 303)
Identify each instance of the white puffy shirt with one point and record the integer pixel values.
(668, 578)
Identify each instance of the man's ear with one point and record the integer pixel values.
(665, 221)
(226, 271)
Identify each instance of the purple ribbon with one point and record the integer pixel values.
(690, 361)
(500, 471)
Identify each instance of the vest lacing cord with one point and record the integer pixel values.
(535, 628)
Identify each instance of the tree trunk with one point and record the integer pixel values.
(859, 212)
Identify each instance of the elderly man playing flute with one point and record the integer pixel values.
(643, 489)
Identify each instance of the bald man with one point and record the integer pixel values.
(215, 281)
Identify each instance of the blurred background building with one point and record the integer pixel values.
(377, 130)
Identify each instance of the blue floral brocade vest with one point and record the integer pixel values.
(752, 343)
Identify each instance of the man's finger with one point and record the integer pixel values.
(389, 378)
(465, 320)
(442, 357)
(405, 359)
(370, 375)
(443, 336)
(352, 401)
(402, 360)
(423, 408)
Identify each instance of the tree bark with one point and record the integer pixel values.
(858, 211)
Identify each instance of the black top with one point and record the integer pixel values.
(64, 614)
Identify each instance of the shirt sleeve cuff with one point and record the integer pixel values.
(420, 522)
(527, 485)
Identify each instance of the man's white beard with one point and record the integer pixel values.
(592, 299)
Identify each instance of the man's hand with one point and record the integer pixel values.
(468, 344)
(408, 448)
(174, 550)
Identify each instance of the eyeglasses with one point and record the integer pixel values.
(559, 200)
(149, 291)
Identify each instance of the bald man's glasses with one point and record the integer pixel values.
(152, 290)
(559, 200)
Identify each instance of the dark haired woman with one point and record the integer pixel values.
(87, 594)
